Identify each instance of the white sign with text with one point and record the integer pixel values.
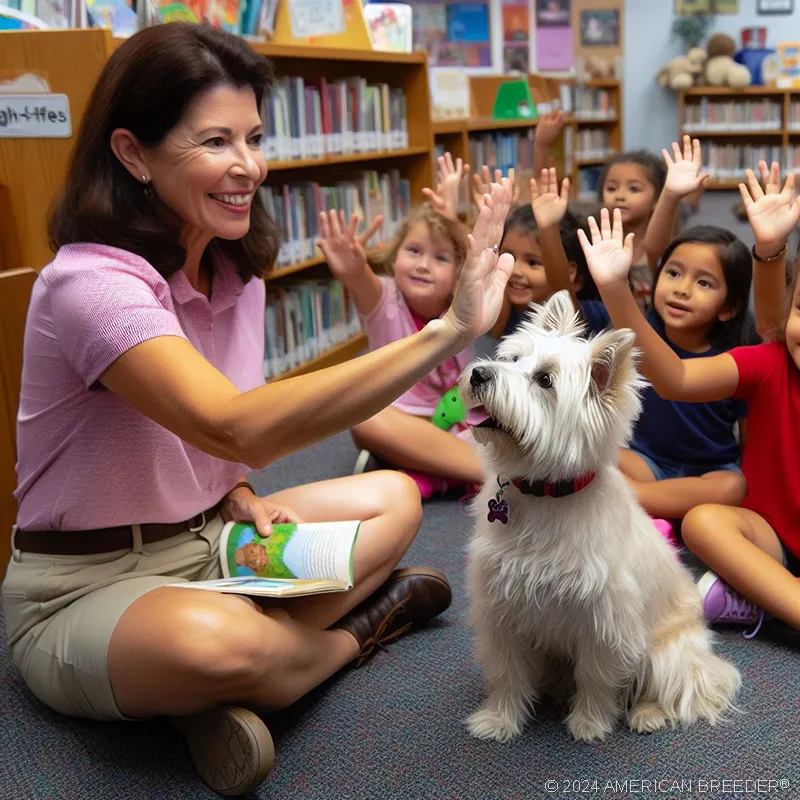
(34, 116)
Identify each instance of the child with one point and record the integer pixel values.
(632, 182)
(425, 258)
(542, 237)
(756, 548)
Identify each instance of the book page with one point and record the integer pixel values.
(309, 551)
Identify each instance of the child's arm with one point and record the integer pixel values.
(695, 380)
(548, 129)
(347, 261)
(683, 179)
(549, 208)
(445, 199)
(772, 215)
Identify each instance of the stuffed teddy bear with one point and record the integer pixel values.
(721, 69)
(599, 66)
(683, 72)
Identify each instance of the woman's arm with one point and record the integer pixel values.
(773, 215)
(683, 179)
(549, 208)
(347, 260)
(169, 381)
(694, 380)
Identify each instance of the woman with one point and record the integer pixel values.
(143, 402)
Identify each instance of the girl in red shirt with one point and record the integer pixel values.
(754, 551)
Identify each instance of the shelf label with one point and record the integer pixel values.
(34, 116)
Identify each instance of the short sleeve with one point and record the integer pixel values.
(388, 321)
(756, 364)
(103, 305)
(597, 317)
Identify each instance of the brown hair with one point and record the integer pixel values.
(448, 229)
(145, 88)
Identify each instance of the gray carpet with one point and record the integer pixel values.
(394, 729)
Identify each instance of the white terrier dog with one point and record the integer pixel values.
(567, 575)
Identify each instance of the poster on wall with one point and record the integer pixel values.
(552, 13)
(683, 7)
(725, 6)
(554, 49)
(516, 45)
(453, 34)
(600, 28)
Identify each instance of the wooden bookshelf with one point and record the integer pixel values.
(453, 135)
(783, 136)
(336, 355)
(33, 170)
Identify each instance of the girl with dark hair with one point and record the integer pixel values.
(754, 551)
(143, 403)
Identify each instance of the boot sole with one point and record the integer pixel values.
(231, 748)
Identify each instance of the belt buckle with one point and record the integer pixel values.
(202, 524)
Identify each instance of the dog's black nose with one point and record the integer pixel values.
(479, 376)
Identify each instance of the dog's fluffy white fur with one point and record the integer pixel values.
(578, 594)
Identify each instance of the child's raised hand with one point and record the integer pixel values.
(342, 249)
(445, 198)
(608, 256)
(479, 293)
(548, 128)
(773, 213)
(548, 205)
(683, 173)
(483, 183)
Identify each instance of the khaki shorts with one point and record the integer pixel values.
(61, 611)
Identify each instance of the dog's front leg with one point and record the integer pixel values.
(596, 706)
(512, 673)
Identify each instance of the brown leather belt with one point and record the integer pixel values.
(105, 540)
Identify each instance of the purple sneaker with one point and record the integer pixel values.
(721, 604)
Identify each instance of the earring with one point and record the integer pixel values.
(148, 192)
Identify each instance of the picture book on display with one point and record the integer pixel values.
(297, 559)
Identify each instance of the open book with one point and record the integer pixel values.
(309, 558)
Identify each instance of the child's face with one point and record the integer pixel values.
(628, 188)
(691, 291)
(528, 281)
(793, 327)
(425, 268)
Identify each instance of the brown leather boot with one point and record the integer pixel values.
(409, 598)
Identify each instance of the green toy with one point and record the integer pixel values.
(514, 101)
(449, 411)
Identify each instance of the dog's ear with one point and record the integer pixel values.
(612, 360)
(557, 316)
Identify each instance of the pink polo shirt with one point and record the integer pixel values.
(88, 459)
(391, 320)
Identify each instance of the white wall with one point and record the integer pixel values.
(650, 113)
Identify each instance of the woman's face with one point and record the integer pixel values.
(210, 164)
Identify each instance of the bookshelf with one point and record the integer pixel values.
(32, 170)
(738, 127)
(588, 119)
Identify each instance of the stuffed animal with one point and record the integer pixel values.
(721, 69)
(683, 72)
(599, 66)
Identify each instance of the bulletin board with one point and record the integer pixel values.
(598, 27)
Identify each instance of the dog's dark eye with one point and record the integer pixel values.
(514, 358)
(507, 359)
(544, 379)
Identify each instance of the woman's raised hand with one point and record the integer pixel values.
(481, 286)
(609, 256)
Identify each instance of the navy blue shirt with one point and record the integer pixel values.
(676, 433)
(594, 311)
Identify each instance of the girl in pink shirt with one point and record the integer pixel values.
(424, 258)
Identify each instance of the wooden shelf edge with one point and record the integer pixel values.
(489, 124)
(314, 53)
(292, 269)
(336, 355)
(699, 91)
(350, 158)
(729, 133)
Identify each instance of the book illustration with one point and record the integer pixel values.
(389, 26)
(311, 18)
(115, 14)
(249, 554)
(189, 11)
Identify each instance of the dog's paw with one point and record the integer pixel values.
(587, 729)
(647, 718)
(489, 724)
